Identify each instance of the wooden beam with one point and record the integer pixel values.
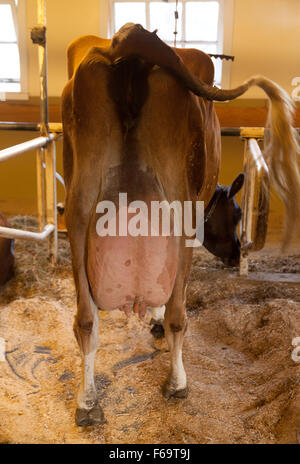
(241, 117)
(25, 112)
(229, 115)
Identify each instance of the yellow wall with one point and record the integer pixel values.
(66, 20)
(266, 37)
(18, 176)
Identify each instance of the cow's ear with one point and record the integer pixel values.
(236, 185)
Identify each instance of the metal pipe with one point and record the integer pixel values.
(19, 126)
(51, 211)
(42, 53)
(30, 126)
(58, 177)
(40, 183)
(16, 150)
(8, 232)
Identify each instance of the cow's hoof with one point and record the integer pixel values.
(158, 331)
(169, 391)
(84, 417)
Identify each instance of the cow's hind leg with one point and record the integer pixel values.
(89, 411)
(78, 212)
(175, 326)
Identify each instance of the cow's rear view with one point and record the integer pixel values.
(139, 124)
(128, 134)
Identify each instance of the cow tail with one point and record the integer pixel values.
(281, 152)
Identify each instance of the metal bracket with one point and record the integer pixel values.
(221, 57)
(38, 35)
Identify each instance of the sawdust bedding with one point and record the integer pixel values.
(244, 385)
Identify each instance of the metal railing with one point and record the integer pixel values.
(46, 190)
(30, 126)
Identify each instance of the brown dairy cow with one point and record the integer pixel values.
(138, 118)
(7, 258)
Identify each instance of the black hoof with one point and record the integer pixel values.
(169, 391)
(84, 417)
(158, 331)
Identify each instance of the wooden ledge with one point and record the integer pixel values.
(239, 113)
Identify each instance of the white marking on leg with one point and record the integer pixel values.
(178, 369)
(158, 314)
(87, 395)
(178, 375)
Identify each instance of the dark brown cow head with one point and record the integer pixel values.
(222, 216)
(6, 255)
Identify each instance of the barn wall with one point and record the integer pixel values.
(66, 20)
(266, 38)
(18, 176)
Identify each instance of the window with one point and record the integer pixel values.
(12, 49)
(200, 24)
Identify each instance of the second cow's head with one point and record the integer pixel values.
(222, 217)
